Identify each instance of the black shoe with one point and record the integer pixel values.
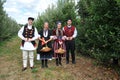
(46, 62)
(46, 66)
(42, 66)
(32, 67)
(57, 64)
(67, 62)
(24, 69)
(73, 62)
(60, 63)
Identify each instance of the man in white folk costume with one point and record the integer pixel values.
(28, 34)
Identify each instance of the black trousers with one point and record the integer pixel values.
(70, 47)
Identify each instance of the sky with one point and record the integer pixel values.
(20, 10)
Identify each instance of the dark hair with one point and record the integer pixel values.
(31, 18)
(69, 19)
(58, 22)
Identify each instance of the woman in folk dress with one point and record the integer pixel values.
(59, 38)
(45, 37)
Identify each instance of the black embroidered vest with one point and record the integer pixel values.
(28, 33)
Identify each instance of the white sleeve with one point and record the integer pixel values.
(20, 32)
(75, 33)
(63, 29)
(35, 35)
(51, 37)
(39, 35)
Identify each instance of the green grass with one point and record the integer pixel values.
(4, 76)
(9, 46)
(34, 70)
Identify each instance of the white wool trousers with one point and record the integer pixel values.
(28, 54)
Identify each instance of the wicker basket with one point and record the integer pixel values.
(60, 51)
(45, 49)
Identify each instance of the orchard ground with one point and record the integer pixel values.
(84, 69)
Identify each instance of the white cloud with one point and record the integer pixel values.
(43, 4)
(26, 1)
(12, 9)
(20, 10)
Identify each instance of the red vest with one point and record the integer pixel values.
(69, 31)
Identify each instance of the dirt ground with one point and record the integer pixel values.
(84, 69)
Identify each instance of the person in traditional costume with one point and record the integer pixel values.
(59, 45)
(28, 34)
(70, 33)
(45, 45)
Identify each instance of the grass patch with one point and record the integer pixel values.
(3, 76)
(10, 46)
(34, 70)
(47, 74)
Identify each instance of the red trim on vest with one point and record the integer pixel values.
(69, 31)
